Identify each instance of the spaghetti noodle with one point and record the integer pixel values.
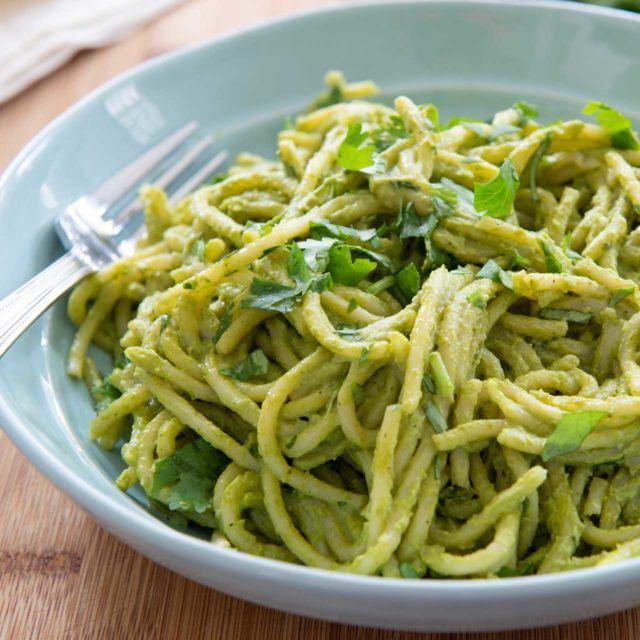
(403, 349)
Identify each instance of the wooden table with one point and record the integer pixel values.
(61, 576)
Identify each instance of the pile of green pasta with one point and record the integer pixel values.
(406, 348)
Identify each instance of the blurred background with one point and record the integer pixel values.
(39, 36)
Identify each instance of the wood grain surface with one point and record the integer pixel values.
(61, 576)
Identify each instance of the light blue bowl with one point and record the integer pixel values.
(470, 58)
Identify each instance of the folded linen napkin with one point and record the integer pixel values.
(38, 36)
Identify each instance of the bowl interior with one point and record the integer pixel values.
(467, 58)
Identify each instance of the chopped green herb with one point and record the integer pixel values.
(619, 295)
(535, 163)
(104, 394)
(225, 321)
(568, 251)
(527, 110)
(570, 432)
(464, 196)
(436, 418)
(353, 305)
(507, 572)
(495, 198)
(322, 229)
(461, 120)
(579, 317)
(477, 126)
(428, 384)
(493, 271)
(333, 96)
(551, 261)
(358, 393)
(412, 225)
(461, 271)
(477, 300)
(266, 294)
(344, 269)
(364, 355)
(407, 571)
(394, 131)
(351, 154)
(188, 285)
(189, 475)
(502, 129)
(316, 252)
(444, 385)
(519, 260)
(256, 364)
(408, 282)
(197, 249)
(218, 177)
(618, 126)
(164, 322)
(349, 333)
(297, 266)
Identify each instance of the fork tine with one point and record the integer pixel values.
(198, 177)
(122, 217)
(110, 191)
(127, 246)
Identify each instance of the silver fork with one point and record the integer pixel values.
(95, 233)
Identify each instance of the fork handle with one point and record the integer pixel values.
(25, 305)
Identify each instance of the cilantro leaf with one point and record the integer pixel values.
(194, 469)
(297, 266)
(493, 271)
(568, 251)
(255, 364)
(619, 295)
(407, 282)
(316, 252)
(407, 571)
(619, 127)
(353, 305)
(453, 122)
(579, 317)
(527, 110)
(412, 225)
(322, 229)
(344, 269)
(552, 264)
(495, 198)
(464, 195)
(502, 130)
(351, 154)
(535, 162)
(507, 572)
(333, 96)
(389, 135)
(435, 417)
(570, 432)
(104, 394)
(519, 260)
(197, 249)
(274, 296)
(225, 321)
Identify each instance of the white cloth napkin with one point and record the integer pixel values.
(37, 36)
